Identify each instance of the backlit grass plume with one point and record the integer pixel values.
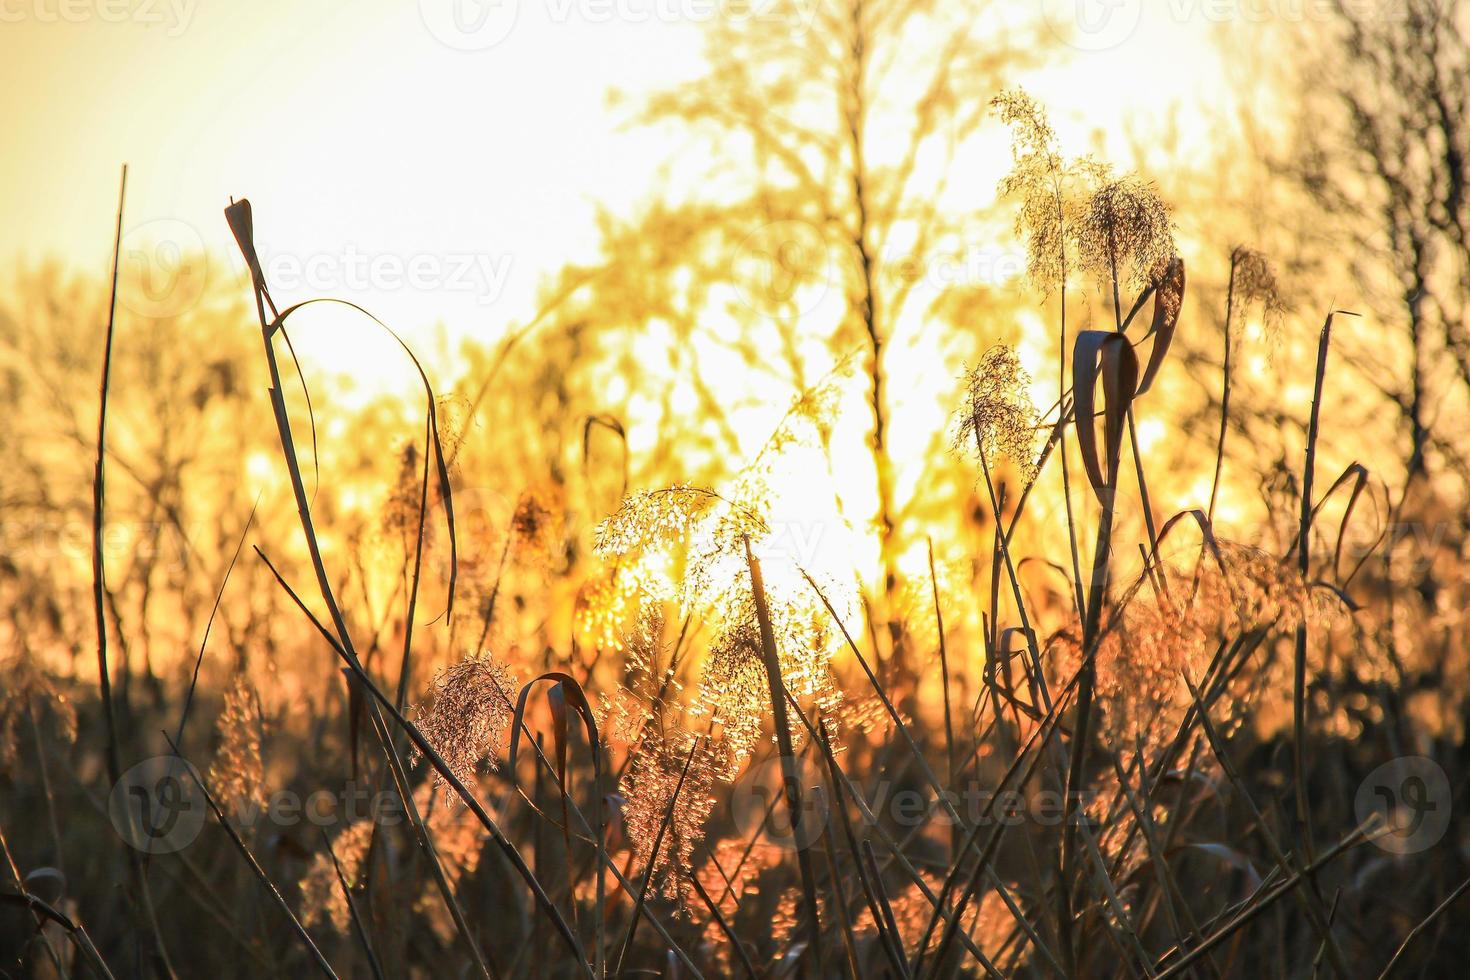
(1253, 283)
(675, 539)
(698, 537)
(658, 518)
(997, 417)
(605, 606)
(1126, 231)
(652, 786)
(323, 902)
(473, 705)
(1036, 179)
(27, 694)
(238, 772)
(1171, 623)
(1047, 186)
(733, 688)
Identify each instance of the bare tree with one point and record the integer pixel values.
(836, 125)
(1400, 90)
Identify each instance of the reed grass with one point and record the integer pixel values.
(1179, 846)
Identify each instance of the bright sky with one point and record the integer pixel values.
(393, 159)
(437, 160)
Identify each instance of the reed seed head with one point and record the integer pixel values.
(474, 702)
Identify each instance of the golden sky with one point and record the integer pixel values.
(431, 173)
(436, 168)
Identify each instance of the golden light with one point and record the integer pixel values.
(674, 502)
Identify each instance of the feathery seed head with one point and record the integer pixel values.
(1126, 232)
(474, 701)
(238, 772)
(997, 416)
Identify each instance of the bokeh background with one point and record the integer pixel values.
(751, 246)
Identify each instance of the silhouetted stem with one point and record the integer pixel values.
(789, 773)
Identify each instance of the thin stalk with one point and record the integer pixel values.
(790, 775)
(114, 764)
(658, 839)
(242, 225)
(24, 894)
(425, 842)
(44, 771)
(1039, 738)
(944, 674)
(357, 924)
(1097, 595)
(1003, 539)
(436, 761)
(270, 886)
(78, 935)
(1414, 932)
(730, 937)
(890, 948)
(1257, 906)
(1304, 553)
(405, 670)
(1062, 386)
(1321, 922)
(1148, 511)
(839, 892)
(876, 874)
(1224, 391)
(841, 781)
(99, 596)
